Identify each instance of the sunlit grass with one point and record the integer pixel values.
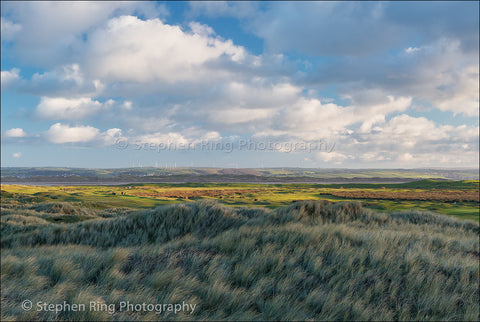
(140, 196)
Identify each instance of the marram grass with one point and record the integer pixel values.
(310, 260)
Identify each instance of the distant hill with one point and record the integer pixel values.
(79, 175)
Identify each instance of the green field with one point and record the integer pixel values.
(145, 195)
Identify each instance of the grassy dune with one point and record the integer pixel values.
(308, 260)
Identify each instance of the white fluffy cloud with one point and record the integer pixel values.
(310, 119)
(63, 133)
(64, 73)
(405, 141)
(60, 133)
(54, 30)
(110, 136)
(458, 92)
(8, 77)
(57, 108)
(15, 133)
(405, 127)
(129, 49)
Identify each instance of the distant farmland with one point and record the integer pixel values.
(457, 198)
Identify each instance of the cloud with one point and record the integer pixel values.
(9, 77)
(69, 73)
(432, 58)
(326, 28)
(133, 50)
(238, 9)
(64, 80)
(441, 74)
(188, 137)
(17, 155)
(54, 30)
(63, 133)
(411, 50)
(451, 20)
(9, 29)
(410, 141)
(334, 157)
(15, 133)
(240, 115)
(162, 138)
(59, 133)
(310, 119)
(58, 108)
(372, 106)
(404, 129)
(200, 29)
(110, 136)
(458, 92)
(357, 29)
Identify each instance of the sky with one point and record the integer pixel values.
(240, 84)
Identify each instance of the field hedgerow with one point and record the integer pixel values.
(309, 260)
